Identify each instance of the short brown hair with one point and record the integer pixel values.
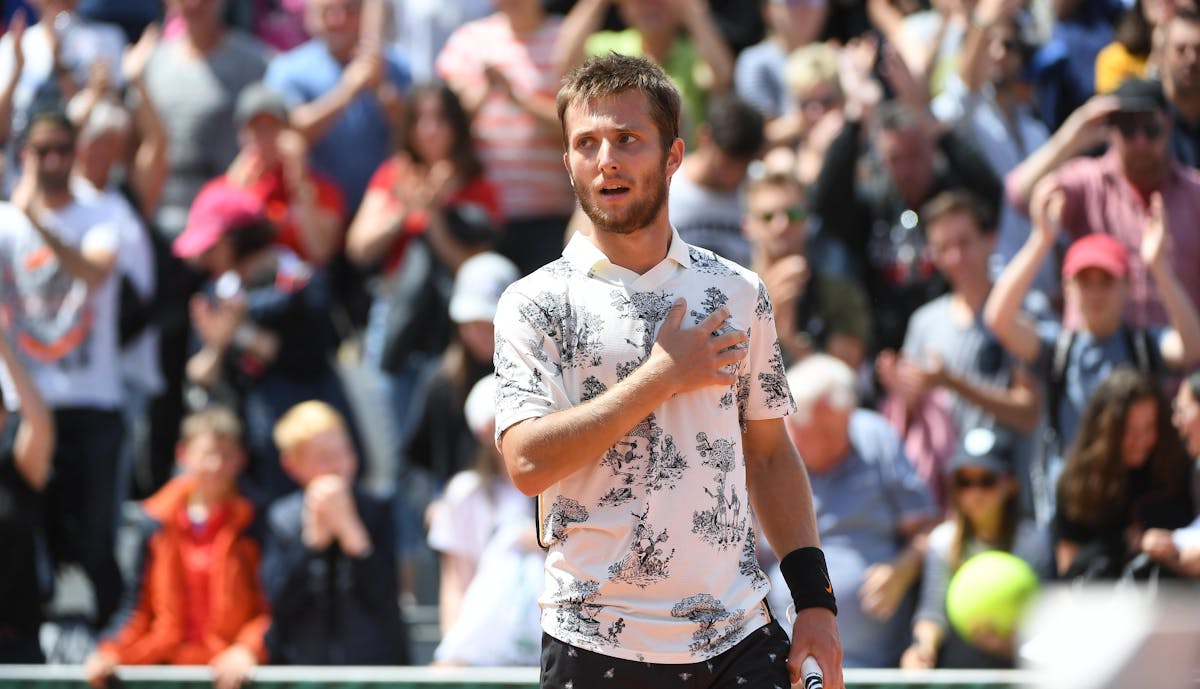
(217, 420)
(955, 202)
(609, 75)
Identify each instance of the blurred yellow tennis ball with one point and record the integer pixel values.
(990, 590)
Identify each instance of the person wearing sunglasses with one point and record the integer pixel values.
(815, 310)
(986, 515)
(1112, 194)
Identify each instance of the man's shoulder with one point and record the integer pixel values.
(709, 263)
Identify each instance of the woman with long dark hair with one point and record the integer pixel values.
(986, 515)
(1126, 472)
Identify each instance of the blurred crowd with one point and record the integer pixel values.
(250, 254)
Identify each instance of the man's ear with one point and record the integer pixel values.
(674, 156)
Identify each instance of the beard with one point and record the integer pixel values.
(638, 214)
(54, 182)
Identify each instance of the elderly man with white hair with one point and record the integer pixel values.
(873, 512)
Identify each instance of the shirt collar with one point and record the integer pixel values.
(587, 257)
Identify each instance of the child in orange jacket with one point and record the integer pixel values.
(199, 600)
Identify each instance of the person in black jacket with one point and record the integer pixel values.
(26, 447)
(329, 558)
(878, 221)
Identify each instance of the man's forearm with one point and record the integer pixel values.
(541, 452)
(781, 496)
(1015, 407)
(1181, 312)
(314, 119)
(92, 273)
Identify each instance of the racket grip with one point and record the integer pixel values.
(811, 675)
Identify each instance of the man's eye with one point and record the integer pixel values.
(626, 138)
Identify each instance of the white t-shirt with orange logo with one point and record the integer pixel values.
(652, 547)
(65, 334)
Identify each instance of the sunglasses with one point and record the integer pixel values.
(1129, 128)
(986, 482)
(60, 149)
(794, 214)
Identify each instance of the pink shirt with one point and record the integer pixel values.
(1100, 199)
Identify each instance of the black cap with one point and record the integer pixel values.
(258, 99)
(1141, 95)
(985, 448)
(470, 223)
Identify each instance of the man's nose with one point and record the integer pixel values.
(607, 157)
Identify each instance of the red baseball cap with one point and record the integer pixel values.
(218, 208)
(1101, 251)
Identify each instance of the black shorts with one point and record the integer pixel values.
(758, 662)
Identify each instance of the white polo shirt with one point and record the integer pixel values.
(651, 548)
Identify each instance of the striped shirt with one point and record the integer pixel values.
(523, 158)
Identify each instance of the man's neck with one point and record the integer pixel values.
(57, 199)
(974, 294)
(822, 451)
(637, 251)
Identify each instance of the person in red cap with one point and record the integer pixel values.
(1075, 360)
(262, 322)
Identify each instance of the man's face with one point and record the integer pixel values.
(908, 157)
(1005, 52)
(775, 220)
(1140, 139)
(334, 21)
(1181, 58)
(959, 248)
(618, 167)
(49, 153)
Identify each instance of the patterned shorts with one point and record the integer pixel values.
(758, 662)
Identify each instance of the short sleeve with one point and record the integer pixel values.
(278, 77)
(384, 177)
(1073, 180)
(528, 363)
(764, 386)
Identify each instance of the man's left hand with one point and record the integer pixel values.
(815, 633)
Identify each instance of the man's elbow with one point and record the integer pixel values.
(524, 475)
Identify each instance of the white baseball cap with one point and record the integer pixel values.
(480, 407)
(478, 285)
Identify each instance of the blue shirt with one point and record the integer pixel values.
(1090, 362)
(860, 504)
(360, 138)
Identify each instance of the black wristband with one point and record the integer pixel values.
(807, 577)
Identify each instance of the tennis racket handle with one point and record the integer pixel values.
(810, 673)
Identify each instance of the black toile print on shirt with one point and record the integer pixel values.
(722, 524)
(647, 561)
